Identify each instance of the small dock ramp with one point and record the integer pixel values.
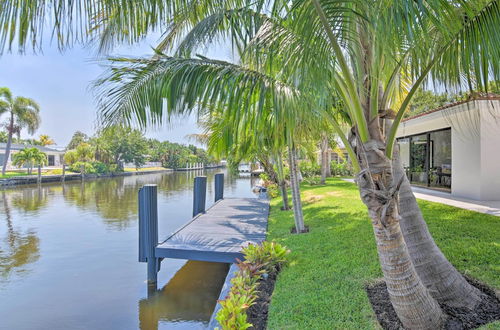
(217, 234)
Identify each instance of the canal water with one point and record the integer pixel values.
(68, 256)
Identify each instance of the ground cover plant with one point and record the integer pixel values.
(247, 302)
(323, 286)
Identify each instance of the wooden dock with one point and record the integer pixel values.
(217, 234)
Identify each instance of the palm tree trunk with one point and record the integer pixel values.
(9, 142)
(411, 300)
(282, 183)
(294, 183)
(442, 280)
(324, 158)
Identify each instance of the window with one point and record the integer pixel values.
(427, 158)
(52, 160)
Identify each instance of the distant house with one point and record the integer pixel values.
(455, 148)
(338, 156)
(54, 156)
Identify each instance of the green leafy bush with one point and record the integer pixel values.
(272, 190)
(309, 169)
(259, 259)
(269, 255)
(341, 169)
(85, 167)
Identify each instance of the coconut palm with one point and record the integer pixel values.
(373, 54)
(29, 157)
(45, 140)
(22, 112)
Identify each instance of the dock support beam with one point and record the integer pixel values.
(199, 195)
(148, 230)
(219, 186)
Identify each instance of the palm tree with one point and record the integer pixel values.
(45, 140)
(29, 157)
(373, 55)
(23, 113)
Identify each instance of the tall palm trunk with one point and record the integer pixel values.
(324, 159)
(294, 182)
(282, 183)
(442, 280)
(412, 302)
(9, 142)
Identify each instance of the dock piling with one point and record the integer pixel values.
(219, 186)
(199, 195)
(148, 229)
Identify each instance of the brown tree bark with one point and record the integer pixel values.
(411, 300)
(439, 276)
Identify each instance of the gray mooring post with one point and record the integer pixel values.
(39, 178)
(148, 230)
(199, 195)
(63, 172)
(219, 186)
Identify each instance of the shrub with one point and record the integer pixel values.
(269, 255)
(309, 169)
(259, 259)
(341, 169)
(86, 167)
(314, 180)
(100, 167)
(272, 190)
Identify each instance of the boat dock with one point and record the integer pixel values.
(217, 234)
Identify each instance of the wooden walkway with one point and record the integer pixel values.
(219, 234)
(216, 235)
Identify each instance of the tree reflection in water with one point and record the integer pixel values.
(17, 249)
(189, 296)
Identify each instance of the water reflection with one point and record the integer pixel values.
(72, 248)
(17, 249)
(188, 296)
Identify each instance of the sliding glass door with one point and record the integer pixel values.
(426, 158)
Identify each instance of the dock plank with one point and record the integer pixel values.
(219, 234)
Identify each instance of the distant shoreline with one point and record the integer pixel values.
(33, 179)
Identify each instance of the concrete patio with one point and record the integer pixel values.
(487, 207)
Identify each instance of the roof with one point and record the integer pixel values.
(17, 146)
(480, 97)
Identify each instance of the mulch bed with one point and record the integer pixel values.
(458, 319)
(257, 313)
(293, 230)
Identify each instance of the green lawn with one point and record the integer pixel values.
(323, 287)
(11, 174)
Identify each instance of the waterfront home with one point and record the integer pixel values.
(455, 148)
(54, 156)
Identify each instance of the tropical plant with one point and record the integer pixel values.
(77, 139)
(23, 112)
(373, 55)
(29, 157)
(45, 140)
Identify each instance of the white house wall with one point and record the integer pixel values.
(490, 151)
(475, 143)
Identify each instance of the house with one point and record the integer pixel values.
(337, 155)
(54, 156)
(455, 148)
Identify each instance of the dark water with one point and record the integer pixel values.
(68, 256)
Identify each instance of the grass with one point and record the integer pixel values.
(323, 287)
(12, 174)
(56, 171)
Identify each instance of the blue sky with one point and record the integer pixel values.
(60, 82)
